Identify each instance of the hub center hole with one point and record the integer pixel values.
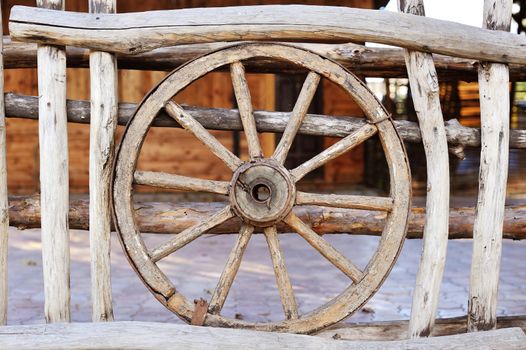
(261, 192)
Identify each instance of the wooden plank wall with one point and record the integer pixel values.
(465, 178)
(159, 152)
(343, 169)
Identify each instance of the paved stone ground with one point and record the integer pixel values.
(196, 268)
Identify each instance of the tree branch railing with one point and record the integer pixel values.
(173, 218)
(78, 111)
(363, 60)
(146, 31)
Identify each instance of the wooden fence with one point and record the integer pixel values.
(146, 41)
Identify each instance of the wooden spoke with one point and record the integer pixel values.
(345, 201)
(177, 182)
(190, 234)
(244, 105)
(334, 151)
(296, 117)
(286, 293)
(231, 267)
(322, 246)
(190, 124)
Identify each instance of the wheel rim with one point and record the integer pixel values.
(268, 174)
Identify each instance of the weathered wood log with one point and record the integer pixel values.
(426, 98)
(398, 330)
(150, 335)
(104, 104)
(155, 217)
(368, 61)
(487, 230)
(144, 31)
(4, 214)
(21, 106)
(54, 177)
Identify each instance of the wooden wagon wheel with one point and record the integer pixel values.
(262, 191)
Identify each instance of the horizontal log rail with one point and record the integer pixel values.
(145, 31)
(397, 330)
(153, 336)
(21, 106)
(365, 61)
(157, 217)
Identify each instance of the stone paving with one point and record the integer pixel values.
(196, 268)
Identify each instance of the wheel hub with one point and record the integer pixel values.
(262, 192)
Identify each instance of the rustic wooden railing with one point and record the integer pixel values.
(364, 60)
(24, 213)
(141, 32)
(54, 180)
(104, 100)
(426, 99)
(78, 111)
(487, 231)
(145, 40)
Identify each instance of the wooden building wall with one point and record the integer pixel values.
(466, 171)
(163, 149)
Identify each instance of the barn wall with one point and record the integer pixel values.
(160, 151)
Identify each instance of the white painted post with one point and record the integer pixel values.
(425, 92)
(104, 101)
(54, 178)
(487, 229)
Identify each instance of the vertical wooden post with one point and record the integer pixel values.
(424, 86)
(4, 207)
(104, 100)
(54, 178)
(487, 229)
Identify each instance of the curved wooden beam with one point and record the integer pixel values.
(145, 31)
